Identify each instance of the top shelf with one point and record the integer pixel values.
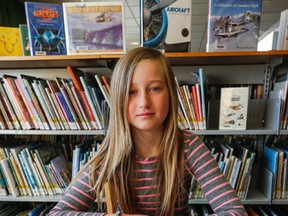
(180, 59)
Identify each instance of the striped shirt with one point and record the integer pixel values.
(222, 198)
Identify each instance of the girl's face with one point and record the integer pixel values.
(148, 103)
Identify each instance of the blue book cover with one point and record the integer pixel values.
(233, 25)
(270, 159)
(45, 28)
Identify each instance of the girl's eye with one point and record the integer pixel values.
(132, 92)
(154, 89)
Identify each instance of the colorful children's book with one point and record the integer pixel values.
(233, 25)
(94, 27)
(10, 42)
(25, 44)
(166, 25)
(45, 28)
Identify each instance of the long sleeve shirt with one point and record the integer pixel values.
(200, 162)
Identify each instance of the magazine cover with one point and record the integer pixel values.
(166, 24)
(10, 42)
(45, 28)
(233, 108)
(233, 25)
(94, 27)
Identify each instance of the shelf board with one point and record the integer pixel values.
(260, 131)
(227, 58)
(263, 131)
(183, 59)
(10, 198)
(280, 202)
(254, 197)
(52, 132)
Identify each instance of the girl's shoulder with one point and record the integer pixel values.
(188, 135)
(190, 139)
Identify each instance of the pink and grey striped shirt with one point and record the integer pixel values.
(222, 198)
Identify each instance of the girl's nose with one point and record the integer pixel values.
(144, 101)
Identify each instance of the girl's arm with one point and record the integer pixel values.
(218, 191)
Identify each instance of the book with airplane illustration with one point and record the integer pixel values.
(94, 27)
(45, 28)
(233, 25)
(233, 108)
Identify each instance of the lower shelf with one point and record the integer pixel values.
(254, 197)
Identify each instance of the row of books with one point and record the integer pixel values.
(235, 161)
(252, 210)
(28, 102)
(68, 28)
(99, 27)
(33, 170)
(42, 168)
(280, 90)
(233, 107)
(41, 209)
(275, 156)
(192, 106)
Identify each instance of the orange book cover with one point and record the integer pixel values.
(195, 103)
(74, 74)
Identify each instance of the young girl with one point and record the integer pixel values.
(145, 159)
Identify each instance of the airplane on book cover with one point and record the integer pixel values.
(226, 27)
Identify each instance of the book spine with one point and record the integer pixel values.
(103, 89)
(9, 177)
(88, 110)
(58, 117)
(29, 174)
(39, 184)
(75, 105)
(66, 110)
(43, 173)
(17, 175)
(43, 105)
(21, 170)
(81, 107)
(203, 103)
(19, 103)
(28, 104)
(3, 184)
(16, 109)
(43, 123)
(48, 105)
(90, 102)
(5, 111)
(55, 186)
(72, 112)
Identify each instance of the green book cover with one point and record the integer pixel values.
(24, 39)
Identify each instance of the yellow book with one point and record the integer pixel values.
(10, 41)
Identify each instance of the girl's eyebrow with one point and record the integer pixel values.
(150, 82)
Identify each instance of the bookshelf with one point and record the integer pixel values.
(183, 63)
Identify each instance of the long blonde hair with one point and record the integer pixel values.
(114, 160)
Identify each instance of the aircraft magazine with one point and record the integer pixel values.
(45, 28)
(233, 25)
(166, 24)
